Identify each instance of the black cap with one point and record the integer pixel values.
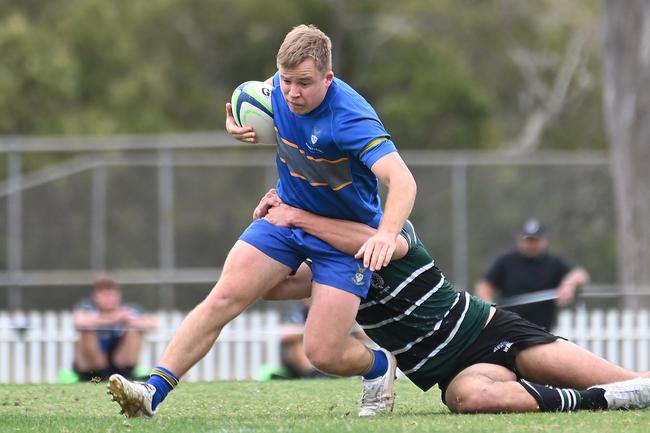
(533, 229)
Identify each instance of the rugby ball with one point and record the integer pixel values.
(251, 106)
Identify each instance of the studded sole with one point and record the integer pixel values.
(116, 389)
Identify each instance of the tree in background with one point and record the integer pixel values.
(626, 60)
(443, 75)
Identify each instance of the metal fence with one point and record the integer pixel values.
(161, 212)
(36, 351)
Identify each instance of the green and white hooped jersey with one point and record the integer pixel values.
(414, 312)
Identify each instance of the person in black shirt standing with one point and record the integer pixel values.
(531, 268)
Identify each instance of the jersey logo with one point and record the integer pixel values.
(358, 277)
(504, 345)
(377, 282)
(314, 138)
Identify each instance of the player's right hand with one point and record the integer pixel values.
(245, 134)
(269, 200)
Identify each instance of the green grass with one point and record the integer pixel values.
(283, 406)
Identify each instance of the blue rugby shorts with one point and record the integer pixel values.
(291, 246)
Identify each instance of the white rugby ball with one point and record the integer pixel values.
(251, 106)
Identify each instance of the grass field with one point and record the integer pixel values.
(318, 406)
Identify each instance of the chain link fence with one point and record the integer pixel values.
(161, 213)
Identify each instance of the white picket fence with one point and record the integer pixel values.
(34, 346)
(620, 337)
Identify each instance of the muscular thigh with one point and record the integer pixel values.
(331, 315)
(565, 364)
(248, 273)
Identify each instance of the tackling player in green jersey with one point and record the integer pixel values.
(483, 359)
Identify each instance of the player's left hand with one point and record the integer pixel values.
(377, 250)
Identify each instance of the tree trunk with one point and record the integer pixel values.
(626, 72)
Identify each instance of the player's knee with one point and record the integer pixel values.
(468, 400)
(463, 403)
(321, 357)
(220, 301)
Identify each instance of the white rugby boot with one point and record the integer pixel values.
(378, 393)
(627, 394)
(134, 398)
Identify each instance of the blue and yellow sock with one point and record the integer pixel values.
(164, 381)
(379, 365)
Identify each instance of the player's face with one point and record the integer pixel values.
(107, 298)
(304, 87)
(531, 246)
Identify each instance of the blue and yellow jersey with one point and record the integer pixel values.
(324, 157)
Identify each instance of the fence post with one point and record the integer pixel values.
(459, 223)
(35, 340)
(642, 341)
(5, 339)
(256, 330)
(628, 335)
(611, 335)
(51, 347)
(598, 333)
(581, 328)
(161, 336)
(224, 352)
(20, 353)
(69, 338)
(273, 339)
(98, 215)
(166, 256)
(240, 336)
(14, 229)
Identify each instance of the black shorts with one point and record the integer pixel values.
(499, 343)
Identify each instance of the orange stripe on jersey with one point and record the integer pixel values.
(311, 158)
(336, 188)
(335, 174)
(342, 186)
(298, 175)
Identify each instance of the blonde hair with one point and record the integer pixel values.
(302, 42)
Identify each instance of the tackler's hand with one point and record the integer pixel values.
(281, 215)
(269, 200)
(377, 250)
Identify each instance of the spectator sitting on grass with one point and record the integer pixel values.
(110, 332)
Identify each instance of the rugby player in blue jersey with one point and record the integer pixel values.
(483, 359)
(332, 149)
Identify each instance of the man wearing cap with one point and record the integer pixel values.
(531, 268)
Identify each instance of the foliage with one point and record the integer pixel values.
(442, 75)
